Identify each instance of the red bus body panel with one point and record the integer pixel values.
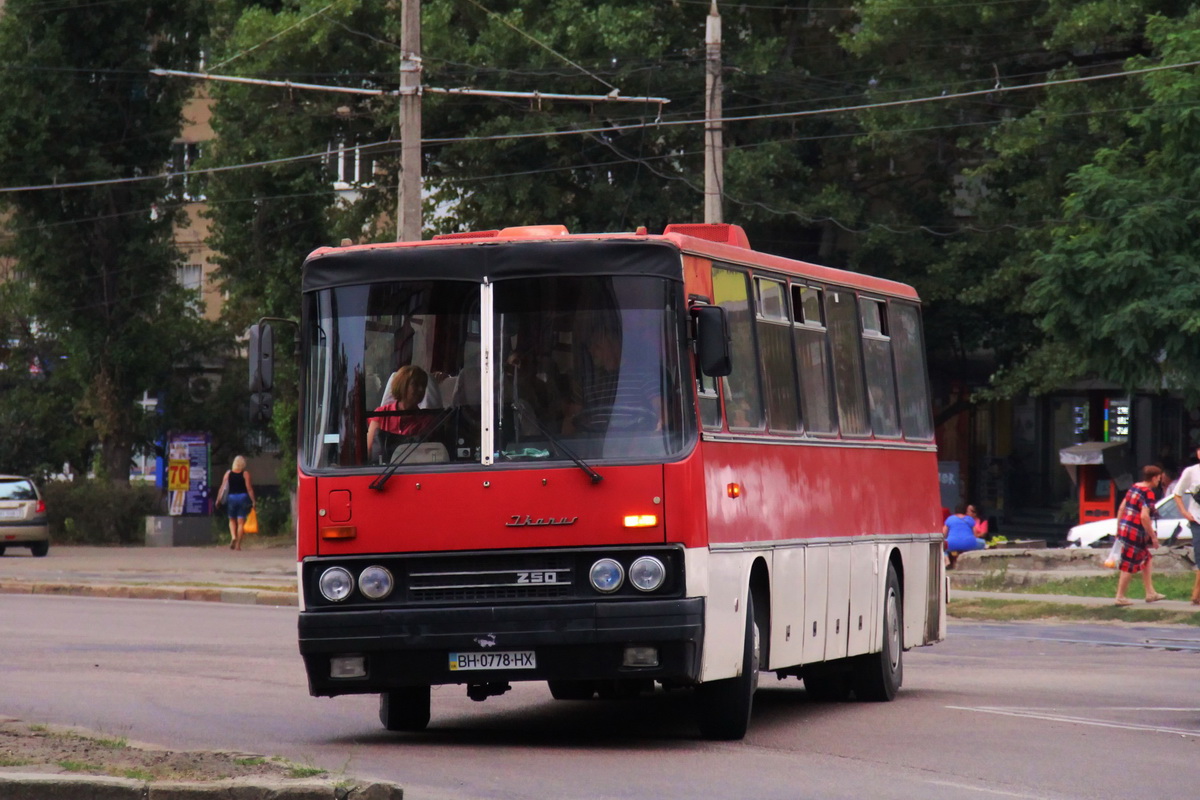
(443, 512)
(802, 491)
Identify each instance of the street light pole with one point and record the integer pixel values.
(714, 146)
(408, 200)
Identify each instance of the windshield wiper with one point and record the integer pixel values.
(524, 412)
(399, 456)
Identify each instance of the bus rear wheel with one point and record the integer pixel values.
(878, 676)
(405, 709)
(724, 706)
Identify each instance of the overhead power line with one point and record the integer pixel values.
(618, 128)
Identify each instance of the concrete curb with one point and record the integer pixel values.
(36, 786)
(210, 594)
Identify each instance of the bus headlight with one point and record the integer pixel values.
(336, 584)
(375, 582)
(606, 575)
(647, 573)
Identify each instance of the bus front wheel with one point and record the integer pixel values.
(405, 709)
(878, 675)
(724, 706)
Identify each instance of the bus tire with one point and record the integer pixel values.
(878, 675)
(724, 706)
(405, 709)
(572, 690)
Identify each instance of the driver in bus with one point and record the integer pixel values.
(609, 397)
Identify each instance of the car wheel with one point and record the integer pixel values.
(1, 549)
(405, 709)
(39, 549)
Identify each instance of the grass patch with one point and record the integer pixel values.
(1176, 586)
(1015, 610)
(137, 775)
(305, 772)
(80, 766)
(249, 762)
(6, 761)
(118, 743)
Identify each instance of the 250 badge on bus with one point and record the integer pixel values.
(510, 659)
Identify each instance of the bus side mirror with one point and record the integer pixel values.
(712, 341)
(262, 357)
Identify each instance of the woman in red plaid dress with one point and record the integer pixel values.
(1135, 529)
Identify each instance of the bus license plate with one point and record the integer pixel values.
(512, 659)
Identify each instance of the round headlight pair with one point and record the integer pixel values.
(336, 583)
(646, 574)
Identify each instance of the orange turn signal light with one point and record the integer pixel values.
(340, 532)
(641, 521)
(734, 490)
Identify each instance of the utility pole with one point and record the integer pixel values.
(714, 146)
(408, 200)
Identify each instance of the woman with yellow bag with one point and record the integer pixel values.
(237, 492)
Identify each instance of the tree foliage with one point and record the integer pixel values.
(81, 109)
(1017, 211)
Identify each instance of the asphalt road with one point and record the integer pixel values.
(1014, 710)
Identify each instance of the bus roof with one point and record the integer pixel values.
(721, 241)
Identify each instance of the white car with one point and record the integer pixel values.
(1171, 526)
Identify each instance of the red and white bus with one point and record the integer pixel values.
(624, 460)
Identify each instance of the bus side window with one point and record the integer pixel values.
(743, 395)
(775, 349)
(913, 389)
(842, 313)
(710, 401)
(877, 358)
(812, 359)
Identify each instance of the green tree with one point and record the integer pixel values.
(987, 175)
(79, 107)
(1116, 288)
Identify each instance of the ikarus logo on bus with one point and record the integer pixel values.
(517, 521)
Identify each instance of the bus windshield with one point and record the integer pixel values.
(583, 367)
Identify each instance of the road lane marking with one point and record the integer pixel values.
(1099, 723)
(1001, 792)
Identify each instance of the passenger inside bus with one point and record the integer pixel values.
(400, 418)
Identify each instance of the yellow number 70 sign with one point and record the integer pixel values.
(178, 475)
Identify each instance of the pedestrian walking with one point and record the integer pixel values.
(1185, 498)
(237, 491)
(1135, 529)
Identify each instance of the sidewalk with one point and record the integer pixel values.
(255, 576)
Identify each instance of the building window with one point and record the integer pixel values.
(191, 277)
(184, 156)
(349, 164)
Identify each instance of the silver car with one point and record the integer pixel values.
(23, 520)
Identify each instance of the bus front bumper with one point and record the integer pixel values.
(568, 641)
